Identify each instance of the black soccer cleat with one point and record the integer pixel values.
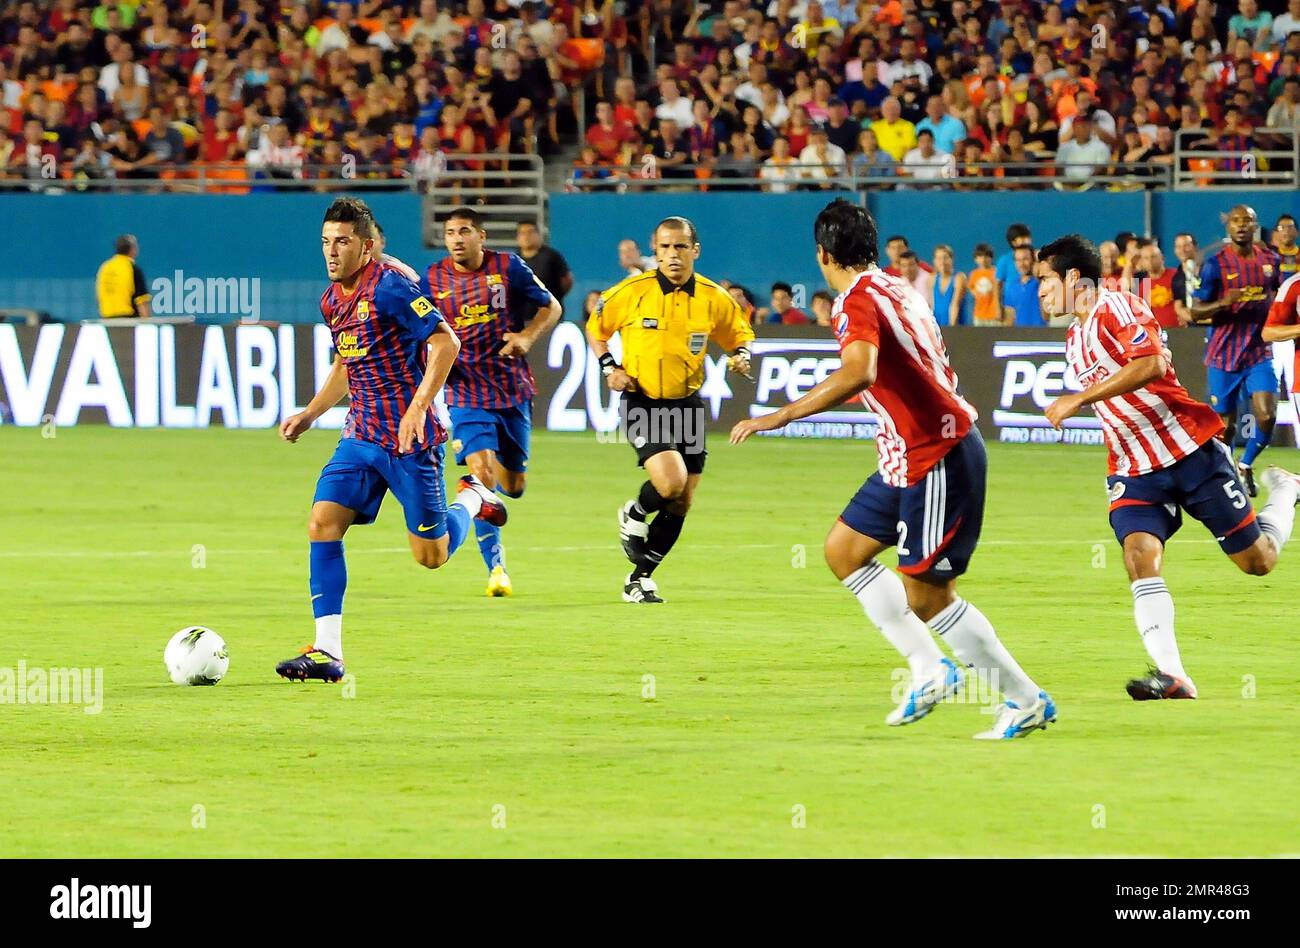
(311, 664)
(1248, 479)
(1157, 686)
(632, 533)
(643, 589)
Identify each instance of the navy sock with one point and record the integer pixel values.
(1257, 443)
(648, 500)
(329, 577)
(489, 543)
(458, 523)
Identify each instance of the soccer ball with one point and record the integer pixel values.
(196, 656)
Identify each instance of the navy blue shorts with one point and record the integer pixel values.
(935, 523)
(1227, 388)
(360, 472)
(1204, 483)
(504, 431)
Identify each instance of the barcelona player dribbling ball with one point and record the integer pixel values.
(394, 353)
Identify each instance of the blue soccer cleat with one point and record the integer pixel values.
(311, 663)
(1013, 721)
(921, 700)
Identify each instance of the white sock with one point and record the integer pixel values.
(885, 601)
(329, 635)
(471, 500)
(972, 639)
(1153, 610)
(1277, 517)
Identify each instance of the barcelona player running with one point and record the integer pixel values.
(490, 389)
(394, 353)
(1237, 286)
(927, 499)
(1165, 456)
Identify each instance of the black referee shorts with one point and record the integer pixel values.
(652, 425)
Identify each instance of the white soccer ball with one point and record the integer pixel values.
(196, 656)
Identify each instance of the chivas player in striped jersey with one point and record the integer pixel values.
(927, 499)
(1165, 454)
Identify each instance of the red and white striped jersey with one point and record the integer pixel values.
(1154, 426)
(1285, 311)
(915, 393)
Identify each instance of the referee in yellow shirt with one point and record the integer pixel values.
(665, 319)
(119, 284)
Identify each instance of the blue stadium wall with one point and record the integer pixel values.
(57, 242)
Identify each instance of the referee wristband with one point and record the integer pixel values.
(607, 363)
(741, 351)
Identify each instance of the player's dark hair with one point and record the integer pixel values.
(350, 210)
(466, 214)
(785, 287)
(1188, 234)
(1284, 217)
(823, 295)
(1015, 232)
(124, 244)
(1073, 252)
(890, 240)
(983, 250)
(678, 223)
(1123, 237)
(847, 233)
(907, 255)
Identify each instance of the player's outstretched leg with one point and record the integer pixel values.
(1153, 612)
(323, 659)
(484, 466)
(851, 557)
(1263, 406)
(1277, 516)
(974, 641)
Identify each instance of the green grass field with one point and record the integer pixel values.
(770, 686)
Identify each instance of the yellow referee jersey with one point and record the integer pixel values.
(119, 284)
(666, 329)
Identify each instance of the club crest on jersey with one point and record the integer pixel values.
(422, 306)
(363, 310)
(493, 278)
(1268, 269)
(1116, 491)
(697, 342)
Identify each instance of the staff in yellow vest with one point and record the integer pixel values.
(665, 319)
(120, 285)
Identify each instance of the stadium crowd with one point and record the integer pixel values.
(784, 94)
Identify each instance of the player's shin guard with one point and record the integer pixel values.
(459, 521)
(1153, 610)
(489, 543)
(884, 600)
(1259, 440)
(664, 531)
(648, 501)
(972, 639)
(328, 581)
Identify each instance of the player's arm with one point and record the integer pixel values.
(330, 394)
(1283, 320)
(1204, 305)
(443, 347)
(1133, 376)
(857, 373)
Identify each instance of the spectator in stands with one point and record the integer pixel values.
(1083, 155)
(780, 172)
(631, 260)
(895, 134)
(823, 305)
(1252, 25)
(821, 162)
(951, 302)
(1187, 279)
(611, 140)
(947, 130)
(870, 160)
(985, 289)
(840, 129)
(1112, 271)
(782, 309)
(924, 163)
(1020, 303)
(1160, 280)
(909, 268)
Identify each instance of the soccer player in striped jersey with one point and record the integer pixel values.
(927, 499)
(1238, 282)
(1283, 324)
(394, 353)
(490, 389)
(1165, 456)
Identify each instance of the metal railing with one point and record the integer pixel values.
(982, 176)
(503, 188)
(1271, 169)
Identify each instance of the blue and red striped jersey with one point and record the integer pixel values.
(1234, 341)
(482, 306)
(379, 332)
